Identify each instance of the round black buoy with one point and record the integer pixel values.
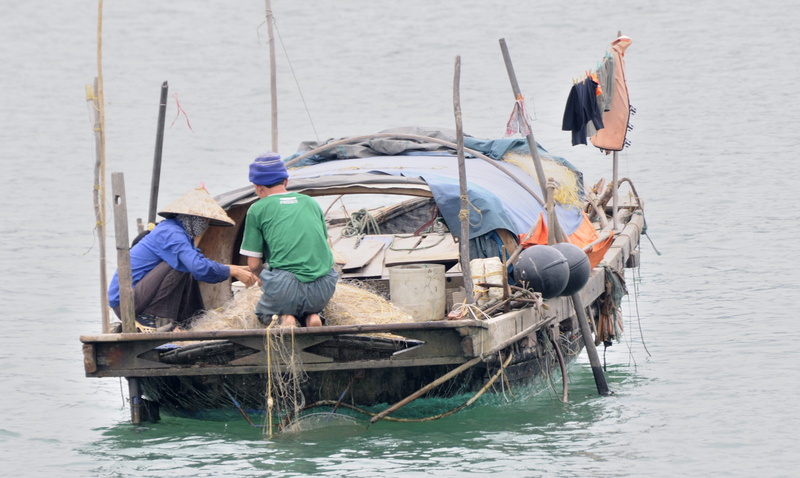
(543, 269)
(579, 267)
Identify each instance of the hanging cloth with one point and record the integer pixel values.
(615, 120)
(581, 108)
(519, 121)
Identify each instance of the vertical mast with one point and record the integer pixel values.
(100, 166)
(273, 81)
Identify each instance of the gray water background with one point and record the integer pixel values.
(714, 155)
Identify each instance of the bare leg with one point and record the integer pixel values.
(313, 320)
(288, 321)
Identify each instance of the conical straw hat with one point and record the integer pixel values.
(198, 202)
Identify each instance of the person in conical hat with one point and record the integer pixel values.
(287, 231)
(166, 266)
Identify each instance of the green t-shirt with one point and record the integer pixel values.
(288, 231)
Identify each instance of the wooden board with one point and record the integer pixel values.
(360, 256)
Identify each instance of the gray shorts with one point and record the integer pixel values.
(283, 294)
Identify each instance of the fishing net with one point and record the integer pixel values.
(353, 303)
(569, 188)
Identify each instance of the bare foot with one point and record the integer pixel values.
(313, 320)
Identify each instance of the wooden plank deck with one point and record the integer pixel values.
(445, 342)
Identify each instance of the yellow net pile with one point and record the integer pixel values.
(566, 193)
(236, 314)
(352, 304)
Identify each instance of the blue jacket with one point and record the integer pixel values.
(169, 243)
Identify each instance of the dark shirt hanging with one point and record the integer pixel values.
(580, 109)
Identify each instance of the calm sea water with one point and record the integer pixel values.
(713, 153)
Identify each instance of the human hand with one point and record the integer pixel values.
(243, 274)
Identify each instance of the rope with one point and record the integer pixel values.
(361, 223)
(415, 248)
(270, 402)
(463, 214)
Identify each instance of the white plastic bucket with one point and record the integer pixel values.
(418, 289)
(237, 286)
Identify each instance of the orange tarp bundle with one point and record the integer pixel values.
(583, 236)
(539, 235)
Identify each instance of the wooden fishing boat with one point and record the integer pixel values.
(462, 204)
(519, 336)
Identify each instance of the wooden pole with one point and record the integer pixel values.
(588, 342)
(126, 307)
(100, 173)
(135, 395)
(98, 199)
(537, 163)
(154, 182)
(273, 78)
(426, 388)
(615, 174)
(126, 310)
(614, 192)
(463, 215)
(577, 301)
(580, 311)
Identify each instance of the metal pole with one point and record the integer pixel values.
(273, 80)
(463, 215)
(154, 183)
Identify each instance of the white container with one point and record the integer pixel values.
(418, 289)
(237, 286)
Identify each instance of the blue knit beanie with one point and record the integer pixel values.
(268, 169)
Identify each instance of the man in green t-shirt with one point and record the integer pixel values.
(285, 241)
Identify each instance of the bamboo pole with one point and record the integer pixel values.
(100, 173)
(463, 215)
(154, 182)
(273, 78)
(98, 200)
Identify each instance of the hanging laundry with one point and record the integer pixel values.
(615, 119)
(519, 121)
(605, 76)
(581, 109)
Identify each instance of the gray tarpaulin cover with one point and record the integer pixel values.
(498, 200)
